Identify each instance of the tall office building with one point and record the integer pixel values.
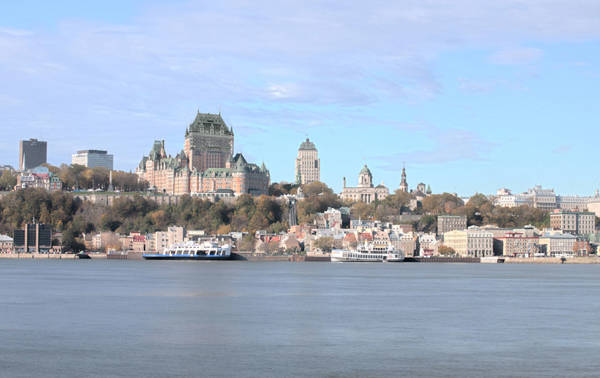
(36, 237)
(93, 159)
(308, 165)
(32, 153)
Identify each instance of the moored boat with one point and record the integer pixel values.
(207, 250)
(367, 253)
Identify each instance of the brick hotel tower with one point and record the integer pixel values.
(206, 164)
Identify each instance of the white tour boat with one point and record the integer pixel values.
(207, 250)
(368, 253)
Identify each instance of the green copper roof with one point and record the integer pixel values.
(307, 145)
(208, 123)
(365, 170)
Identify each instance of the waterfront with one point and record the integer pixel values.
(139, 318)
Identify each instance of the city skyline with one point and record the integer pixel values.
(473, 112)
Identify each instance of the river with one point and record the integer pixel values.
(97, 318)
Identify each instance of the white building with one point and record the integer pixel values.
(428, 244)
(163, 239)
(545, 199)
(93, 159)
(365, 191)
(473, 242)
(558, 245)
(6, 244)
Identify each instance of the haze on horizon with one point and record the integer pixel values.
(472, 96)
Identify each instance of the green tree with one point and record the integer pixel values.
(8, 180)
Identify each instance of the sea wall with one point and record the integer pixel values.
(551, 260)
(52, 256)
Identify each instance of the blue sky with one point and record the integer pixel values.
(471, 96)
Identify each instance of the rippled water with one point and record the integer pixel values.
(223, 319)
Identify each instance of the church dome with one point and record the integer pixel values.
(365, 170)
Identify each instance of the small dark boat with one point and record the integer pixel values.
(83, 255)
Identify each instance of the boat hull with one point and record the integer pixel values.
(185, 257)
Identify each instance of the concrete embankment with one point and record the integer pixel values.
(443, 259)
(52, 256)
(552, 260)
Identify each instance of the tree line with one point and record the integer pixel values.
(73, 217)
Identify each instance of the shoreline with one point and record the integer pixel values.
(246, 256)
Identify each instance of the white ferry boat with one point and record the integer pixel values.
(208, 250)
(368, 253)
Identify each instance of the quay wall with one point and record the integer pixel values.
(552, 260)
(51, 256)
(436, 259)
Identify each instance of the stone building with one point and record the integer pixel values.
(38, 177)
(6, 244)
(308, 165)
(473, 242)
(365, 191)
(558, 245)
(572, 222)
(446, 223)
(519, 244)
(205, 165)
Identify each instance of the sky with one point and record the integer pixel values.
(471, 96)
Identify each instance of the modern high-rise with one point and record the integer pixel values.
(93, 159)
(32, 153)
(36, 237)
(308, 165)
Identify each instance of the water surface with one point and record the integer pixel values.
(249, 319)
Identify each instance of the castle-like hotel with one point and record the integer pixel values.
(206, 164)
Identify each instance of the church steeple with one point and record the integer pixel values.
(403, 183)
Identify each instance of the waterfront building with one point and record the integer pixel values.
(164, 239)
(446, 223)
(35, 237)
(308, 165)
(428, 245)
(472, 242)
(519, 244)
(405, 242)
(365, 191)
(206, 164)
(32, 153)
(6, 244)
(93, 159)
(38, 177)
(558, 245)
(573, 222)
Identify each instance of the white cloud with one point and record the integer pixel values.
(241, 56)
(517, 55)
